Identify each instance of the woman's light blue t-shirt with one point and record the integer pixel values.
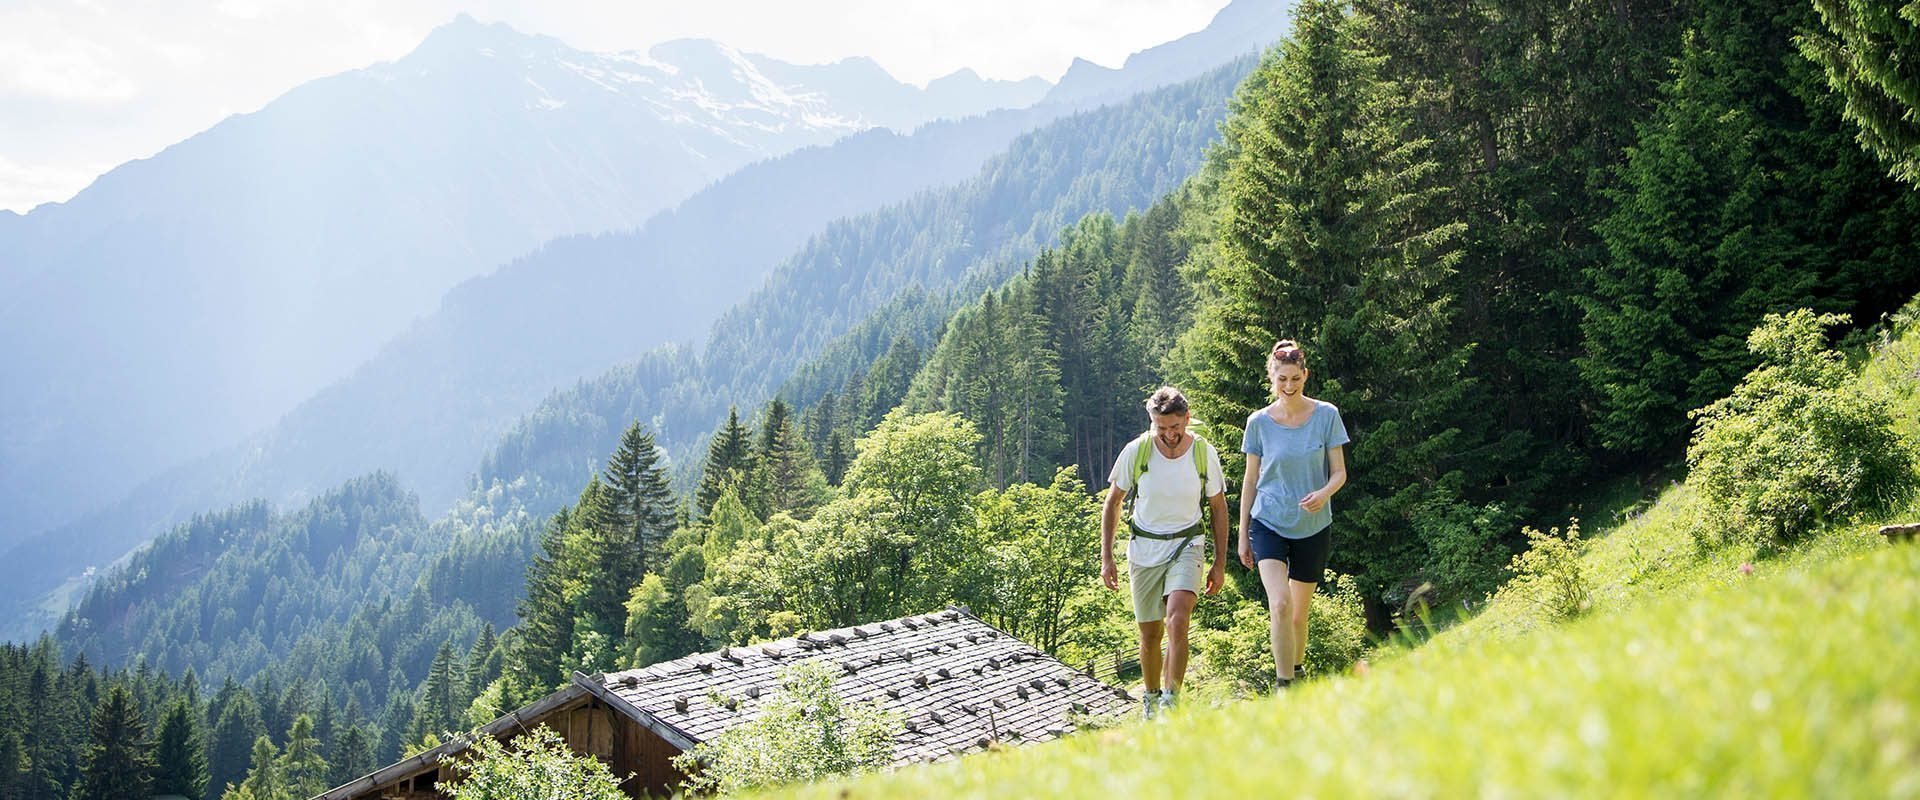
(1293, 462)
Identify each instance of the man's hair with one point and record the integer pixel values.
(1167, 400)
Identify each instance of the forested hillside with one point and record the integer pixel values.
(961, 239)
(331, 595)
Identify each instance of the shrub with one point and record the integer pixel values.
(537, 766)
(1336, 627)
(1795, 444)
(804, 732)
(1548, 574)
(1237, 658)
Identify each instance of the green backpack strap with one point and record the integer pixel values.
(1201, 455)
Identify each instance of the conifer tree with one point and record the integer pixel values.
(118, 763)
(881, 389)
(622, 525)
(263, 779)
(1330, 235)
(230, 751)
(637, 507)
(13, 761)
(729, 460)
(353, 754)
(1744, 196)
(301, 768)
(994, 368)
(1867, 50)
(180, 755)
(483, 661)
(46, 755)
(787, 476)
(837, 458)
(546, 617)
(441, 705)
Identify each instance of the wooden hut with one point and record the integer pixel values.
(959, 684)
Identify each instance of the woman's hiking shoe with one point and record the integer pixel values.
(1299, 671)
(1150, 705)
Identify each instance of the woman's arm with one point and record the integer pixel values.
(1336, 478)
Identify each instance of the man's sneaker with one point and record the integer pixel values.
(1150, 705)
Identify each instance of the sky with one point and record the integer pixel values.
(86, 85)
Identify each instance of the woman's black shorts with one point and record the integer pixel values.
(1306, 558)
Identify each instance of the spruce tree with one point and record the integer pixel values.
(636, 509)
(118, 763)
(180, 756)
(838, 456)
(729, 459)
(46, 754)
(1745, 196)
(230, 750)
(622, 525)
(13, 761)
(440, 707)
(1331, 234)
(353, 755)
(483, 661)
(787, 475)
(1867, 50)
(546, 616)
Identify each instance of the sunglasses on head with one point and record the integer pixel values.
(1289, 356)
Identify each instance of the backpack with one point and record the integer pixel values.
(1144, 453)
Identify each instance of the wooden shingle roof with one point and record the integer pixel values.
(959, 684)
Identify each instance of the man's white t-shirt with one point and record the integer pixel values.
(1167, 501)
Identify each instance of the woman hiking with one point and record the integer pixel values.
(1295, 464)
(1170, 474)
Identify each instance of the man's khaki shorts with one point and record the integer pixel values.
(1151, 585)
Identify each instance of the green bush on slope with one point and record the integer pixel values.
(1796, 444)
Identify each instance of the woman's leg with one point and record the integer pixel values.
(1179, 614)
(1273, 576)
(1150, 654)
(1302, 599)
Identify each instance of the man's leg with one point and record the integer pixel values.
(1179, 615)
(1150, 654)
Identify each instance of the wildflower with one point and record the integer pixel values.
(1746, 568)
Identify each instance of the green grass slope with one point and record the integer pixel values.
(1796, 685)
(1699, 670)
